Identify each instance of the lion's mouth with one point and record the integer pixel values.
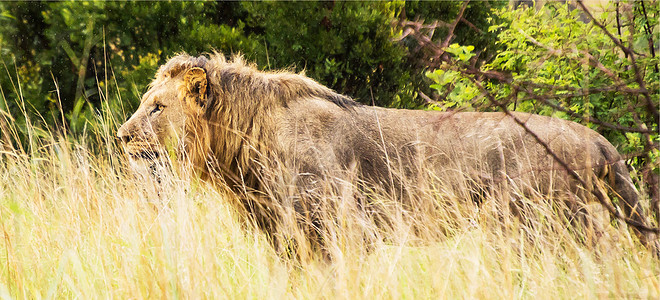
(143, 151)
(148, 155)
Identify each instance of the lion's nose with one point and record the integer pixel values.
(123, 135)
(125, 138)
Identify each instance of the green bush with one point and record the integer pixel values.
(346, 45)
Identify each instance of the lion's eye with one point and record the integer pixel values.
(157, 108)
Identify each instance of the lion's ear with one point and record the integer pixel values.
(195, 89)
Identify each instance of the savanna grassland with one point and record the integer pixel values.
(77, 224)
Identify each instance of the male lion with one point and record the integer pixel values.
(232, 123)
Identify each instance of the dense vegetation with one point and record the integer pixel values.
(69, 54)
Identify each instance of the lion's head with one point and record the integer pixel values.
(215, 113)
(179, 93)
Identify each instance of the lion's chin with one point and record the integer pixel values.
(151, 168)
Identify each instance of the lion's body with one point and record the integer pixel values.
(239, 122)
(484, 146)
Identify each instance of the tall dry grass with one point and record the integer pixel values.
(75, 223)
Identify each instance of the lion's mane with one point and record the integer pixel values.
(237, 126)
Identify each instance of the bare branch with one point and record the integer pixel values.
(638, 76)
(545, 100)
(469, 24)
(649, 34)
(452, 27)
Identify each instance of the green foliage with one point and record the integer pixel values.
(459, 92)
(347, 45)
(66, 62)
(74, 56)
(462, 53)
(552, 47)
(477, 13)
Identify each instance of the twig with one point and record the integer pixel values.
(544, 99)
(649, 34)
(649, 102)
(592, 61)
(469, 24)
(452, 27)
(426, 98)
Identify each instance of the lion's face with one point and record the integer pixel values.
(158, 125)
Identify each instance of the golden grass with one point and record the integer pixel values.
(75, 224)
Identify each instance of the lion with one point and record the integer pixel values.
(230, 123)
